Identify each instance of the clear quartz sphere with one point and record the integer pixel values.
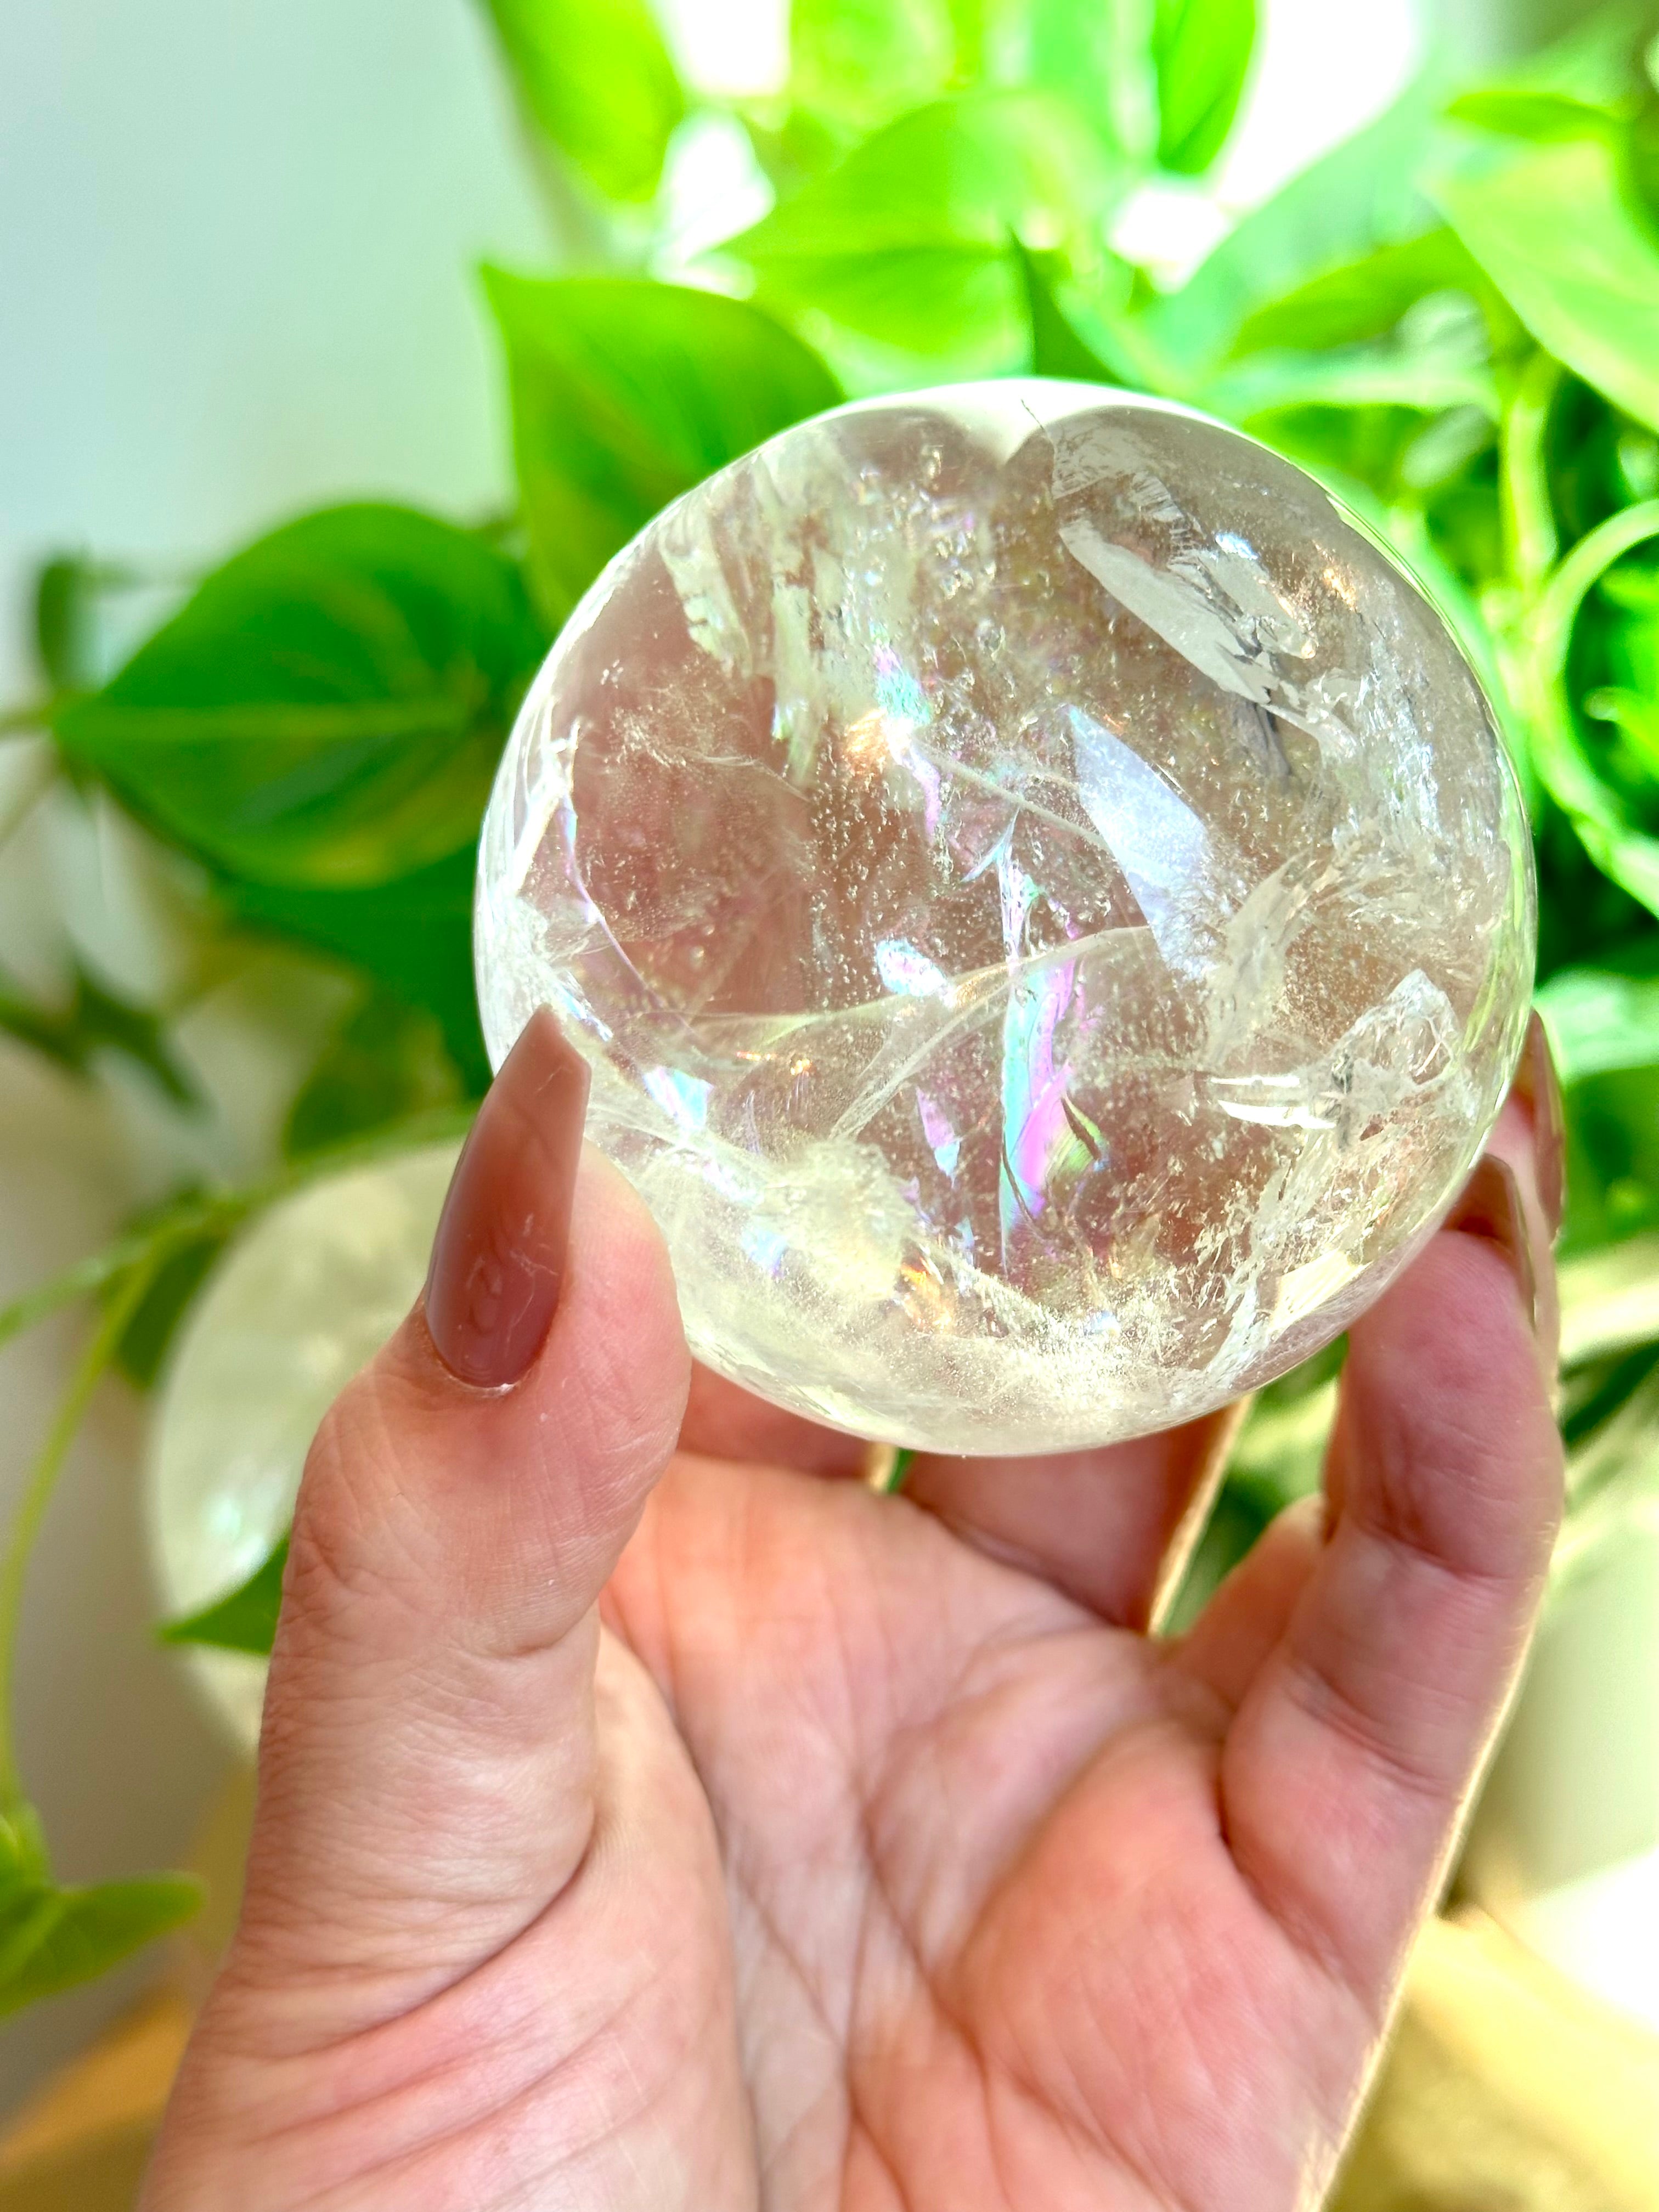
(1045, 901)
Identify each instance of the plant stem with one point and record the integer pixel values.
(1618, 846)
(1529, 513)
(31, 719)
(219, 1211)
(33, 787)
(897, 1471)
(1557, 610)
(37, 1496)
(87, 1277)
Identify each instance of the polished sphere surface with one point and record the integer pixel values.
(1044, 899)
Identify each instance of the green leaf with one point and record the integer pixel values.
(155, 1322)
(1600, 1021)
(1595, 62)
(1635, 588)
(413, 935)
(1426, 378)
(905, 241)
(1058, 348)
(243, 1620)
(1585, 919)
(625, 393)
(1359, 196)
(1201, 51)
(597, 78)
(1364, 299)
(96, 1021)
(859, 63)
(964, 170)
(384, 1063)
(103, 1021)
(1596, 1389)
(1602, 816)
(1635, 715)
(24, 1864)
(1553, 229)
(51, 1937)
(1098, 54)
(65, 622)
(1613, 1156)
(1545, 118)
(1612, 1475)
(328, 710)
(1639, 158)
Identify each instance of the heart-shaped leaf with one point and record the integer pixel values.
(1556, 232)
(327, 710)
(626, 393)
(905, 241)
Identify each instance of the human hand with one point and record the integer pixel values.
(651, 1816)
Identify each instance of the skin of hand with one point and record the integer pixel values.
(651, 1815)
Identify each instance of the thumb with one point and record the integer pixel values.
(427, 1763)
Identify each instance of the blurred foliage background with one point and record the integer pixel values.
(1452, 318)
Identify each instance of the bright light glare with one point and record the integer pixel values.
(1603, 1930)
(712, 188)
(1320, 73)
(729, 49)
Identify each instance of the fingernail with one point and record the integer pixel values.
(1490, 1208)
(498, 1257)
(1538, 1088)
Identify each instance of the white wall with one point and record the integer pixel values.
(236, 246)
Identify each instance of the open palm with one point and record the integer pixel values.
(734, 1836)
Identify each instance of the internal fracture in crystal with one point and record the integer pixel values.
(1044, 899)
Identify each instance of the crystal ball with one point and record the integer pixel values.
(1045, 901)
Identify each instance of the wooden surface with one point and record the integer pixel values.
(80, 2145)
(1506, 2090)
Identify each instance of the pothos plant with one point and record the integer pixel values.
(1453, 319)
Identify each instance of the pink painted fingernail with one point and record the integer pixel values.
(1490, 1209)
(1538, 1088)
(498, 1257)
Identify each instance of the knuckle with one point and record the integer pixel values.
(354, 1539)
